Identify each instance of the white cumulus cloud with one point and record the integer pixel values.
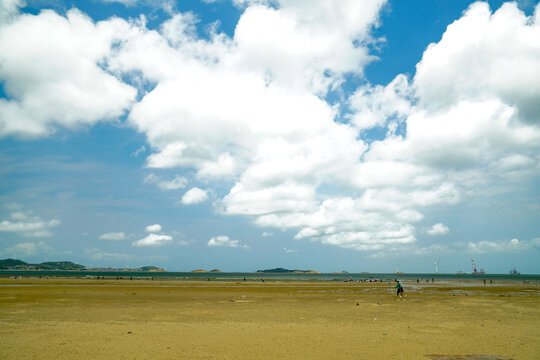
(225, 241)
(50, 72)
(113, 236)
(154, 240)
(153, 228)
(194, 196)
(505, 51)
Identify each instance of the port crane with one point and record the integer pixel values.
(475, 270)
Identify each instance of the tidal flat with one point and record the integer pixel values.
(123, 319)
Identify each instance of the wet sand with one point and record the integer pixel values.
(110, 319)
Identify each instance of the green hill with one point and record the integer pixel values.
(15, 264)
(10, 263)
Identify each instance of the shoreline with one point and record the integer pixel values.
(453, 288)
(253, 276)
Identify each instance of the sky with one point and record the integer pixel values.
(359, 136)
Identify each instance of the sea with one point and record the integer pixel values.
(255, 276)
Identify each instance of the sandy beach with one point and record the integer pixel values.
(110, 319)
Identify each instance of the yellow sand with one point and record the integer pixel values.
(105, 319)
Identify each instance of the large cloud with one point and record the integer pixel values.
(466, 123)
(50, 67)
(256, 88)
(311, 43)
(484, 55)
(476, 103)
(248, 104)
(439, 146)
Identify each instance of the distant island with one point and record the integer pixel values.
(282, 270)
(205, 271)
(15, 264)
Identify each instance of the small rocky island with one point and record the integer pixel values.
(282, 270)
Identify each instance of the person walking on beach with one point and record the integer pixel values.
(399, 288)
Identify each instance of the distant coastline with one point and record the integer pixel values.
(13, 266)
(19, 265)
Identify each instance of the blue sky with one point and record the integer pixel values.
(244, 135)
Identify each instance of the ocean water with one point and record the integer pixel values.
(224, 276)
